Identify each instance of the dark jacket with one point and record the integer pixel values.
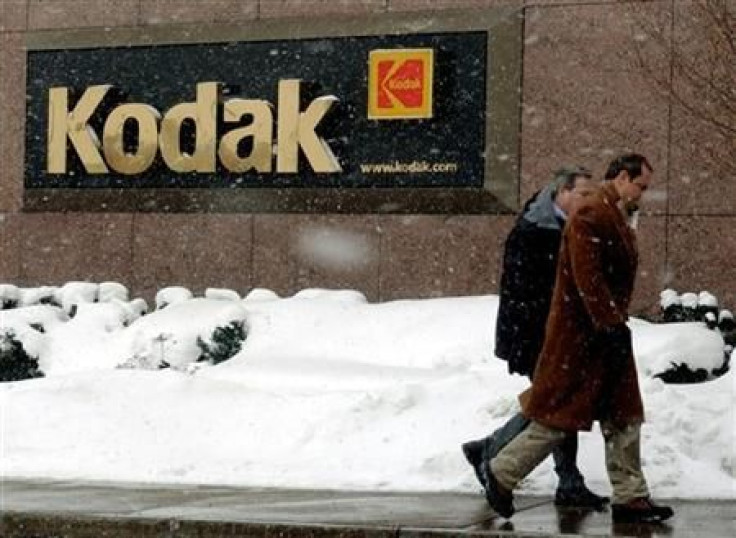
(527, 281)
(581, 374)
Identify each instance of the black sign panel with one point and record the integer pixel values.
(444, 150)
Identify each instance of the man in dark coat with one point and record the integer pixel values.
(527, 281)
(529, 268)
(586, 370)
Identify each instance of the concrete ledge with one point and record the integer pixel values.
(72, 526)
(17, 525)
(71, 509)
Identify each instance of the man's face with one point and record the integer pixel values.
(568, 199)
(631, 191)
(584, 187)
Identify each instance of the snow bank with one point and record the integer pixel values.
(329, 391)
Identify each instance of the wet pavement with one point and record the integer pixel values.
(81, 509)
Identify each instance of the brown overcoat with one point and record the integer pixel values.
(578, 379)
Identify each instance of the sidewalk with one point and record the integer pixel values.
(87, 509)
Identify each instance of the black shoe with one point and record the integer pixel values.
(498, 498)
(640, 510)
(580, 497)
(473, 451)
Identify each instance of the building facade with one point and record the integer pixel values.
(575, 82)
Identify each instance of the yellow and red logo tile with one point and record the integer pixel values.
(400, 83)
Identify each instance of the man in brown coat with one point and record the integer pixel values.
(525, 295)
(586, 370)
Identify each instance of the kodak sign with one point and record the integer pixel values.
(159, 133)
(400, 83)
(272, 116)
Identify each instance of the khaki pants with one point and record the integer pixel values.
(519, 458)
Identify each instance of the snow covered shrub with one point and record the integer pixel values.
(127, 311)
(43, 295)
(109, 291)
(15, 363)
(691, 307)
(138, 307)
(726, 366)
(727, 326)
(671, 306)
(683, 373)
(261, 295)
(72, 294)
(689, 302)
(170, 335)
(153, 356)
(9, 296)
(707, 308)
(725, 321)
(221, 294)
(702, 307)
(224, 343)
(172, 295)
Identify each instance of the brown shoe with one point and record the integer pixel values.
(640, 510)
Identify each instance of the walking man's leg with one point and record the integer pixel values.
(571, 488)
(480, 452)
(515, 461)
(631, 502)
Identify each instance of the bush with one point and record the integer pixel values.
(682, 373)
(224, 344)
(9, 296)
(701, 307)
(15, 363)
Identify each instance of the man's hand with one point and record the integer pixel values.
(620, 330)
(615, 342)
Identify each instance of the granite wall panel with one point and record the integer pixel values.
(434, 256)
(12, 124)
(704, 115)
(584, 100)
(197, 11)
(13, 15)
(293, 252)
(10, 245)
(57, 248)
(701, 255)
(432, 5)
(313, 8)
(59, 14)
(194, 251)
(652, 276)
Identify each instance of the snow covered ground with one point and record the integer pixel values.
(328, 391)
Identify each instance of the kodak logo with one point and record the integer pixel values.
(400, 83)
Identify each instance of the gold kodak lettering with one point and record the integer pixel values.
(261, 130)
(73, 125)
(298, 129)
(146, 118)
(203, 114)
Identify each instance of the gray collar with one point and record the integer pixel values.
(543, 211)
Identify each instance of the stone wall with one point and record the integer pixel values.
(583, 102)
